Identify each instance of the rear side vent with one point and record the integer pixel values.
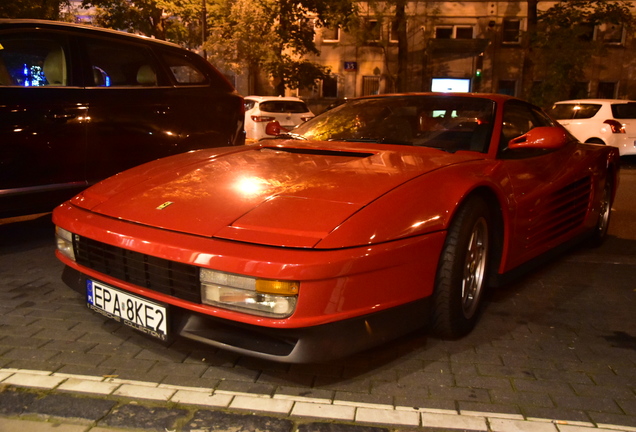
(560, 212)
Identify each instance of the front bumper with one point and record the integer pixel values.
(289, 345)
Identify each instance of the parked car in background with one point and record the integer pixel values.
(601, 121)
(79, 104)
(289, 112)
(379, 217)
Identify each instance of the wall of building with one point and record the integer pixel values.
(481, 47)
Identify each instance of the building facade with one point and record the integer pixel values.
(462, 46)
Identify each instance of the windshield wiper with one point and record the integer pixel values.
(383, 140)
(291, 135)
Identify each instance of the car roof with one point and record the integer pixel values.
(492, 96)
(12, 23)
(274, 98)
(596, 101)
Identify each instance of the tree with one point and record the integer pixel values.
(272, 36)
(563, 42)
(38, 9)
(380, 18)
(174, 20)
(400, 22)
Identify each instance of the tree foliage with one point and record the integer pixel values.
(174, 20)
(35, 9)
(272, 36)
(566, 37)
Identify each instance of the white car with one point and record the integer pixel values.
(289, 112)
(601, 121)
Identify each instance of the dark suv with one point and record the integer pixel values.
(78, 104)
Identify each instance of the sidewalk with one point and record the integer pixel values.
(38, 401)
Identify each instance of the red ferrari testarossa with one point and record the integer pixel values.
(375, 218)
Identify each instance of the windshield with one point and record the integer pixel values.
(569, 111)
(450, 123)
(284, 107)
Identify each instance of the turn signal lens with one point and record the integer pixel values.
(284, 288)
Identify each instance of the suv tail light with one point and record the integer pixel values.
(616, 126)
(262, 119)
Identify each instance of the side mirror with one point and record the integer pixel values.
(544, 137)
(274, 128)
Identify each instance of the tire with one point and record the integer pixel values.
(605, 210)
(595, 141)
(462, 271)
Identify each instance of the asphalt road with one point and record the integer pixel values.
(560, 343)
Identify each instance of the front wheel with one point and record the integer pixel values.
(462, 271)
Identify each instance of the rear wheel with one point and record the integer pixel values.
(605, 209)
(595, 141)
(462, 271)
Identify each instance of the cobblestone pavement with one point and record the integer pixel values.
(558, 345)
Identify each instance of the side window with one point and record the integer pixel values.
(518, 119)
(249, 104)
(28, 60)
(183, 70)
(117, 65)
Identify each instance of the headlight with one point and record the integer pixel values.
(65, 242)
(265, 297)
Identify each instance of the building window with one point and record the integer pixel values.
(613, 34)
(393, 33)
(443, 32)
(463, 32)
(454, 32)
(370, 85)
(606, 90)
(585, 32)
(507, 87)
(372, 30)
(330, 87)
(511, 31)
(331, 34)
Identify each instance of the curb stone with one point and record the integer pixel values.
(29, 409)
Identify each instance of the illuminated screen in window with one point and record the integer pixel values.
(455, 85)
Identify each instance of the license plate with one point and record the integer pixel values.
(136, 312)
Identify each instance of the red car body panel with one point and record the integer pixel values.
(361, 226)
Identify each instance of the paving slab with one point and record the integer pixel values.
(557, 348)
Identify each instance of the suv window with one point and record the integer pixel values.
(32, 61)
(624, 110)
(572, 111)
(184, 71)
(116, 65)
(284, 107)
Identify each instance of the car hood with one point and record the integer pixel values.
(274, 193)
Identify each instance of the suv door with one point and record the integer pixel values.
(131, 120)
(144, 105)
(211, 111)
(42, 122)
